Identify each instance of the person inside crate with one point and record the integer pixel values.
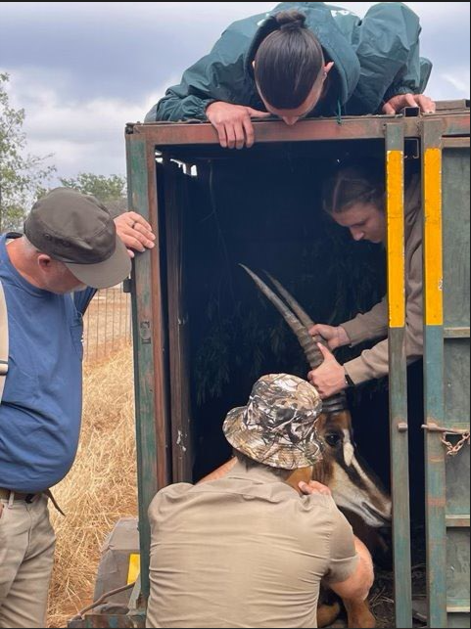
(355, 198)
(303, 59)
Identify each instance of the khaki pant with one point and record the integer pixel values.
(27, 543)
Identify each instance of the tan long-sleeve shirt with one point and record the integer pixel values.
(374, 363)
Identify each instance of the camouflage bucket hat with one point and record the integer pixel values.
(278, 425)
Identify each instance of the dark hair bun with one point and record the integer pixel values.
(291, 20)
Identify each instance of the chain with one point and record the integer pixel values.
(455, 450)
(452, 450)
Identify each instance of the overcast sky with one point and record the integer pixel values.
(81, 70)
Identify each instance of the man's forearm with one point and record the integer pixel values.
(365, 566)
(357, 587)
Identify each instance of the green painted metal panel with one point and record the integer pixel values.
(457, 378)
(459, 621)
(458, 568)
(143, 362)
(456, 230)
(149, 348)
(456, 234)
(433, 375)
(398, 395)
(435, 479)
(458, 484)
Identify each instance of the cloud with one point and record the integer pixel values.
(178, 12)
(81, 70)
(130, 50)
(459, 82)
(187, 12)
(85, 135)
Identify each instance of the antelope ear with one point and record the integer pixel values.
(302, 475)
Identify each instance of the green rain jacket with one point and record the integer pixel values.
(375, 59)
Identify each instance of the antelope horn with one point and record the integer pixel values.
(295, 306)
(313, 355)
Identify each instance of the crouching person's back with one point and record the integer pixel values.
(249, 549)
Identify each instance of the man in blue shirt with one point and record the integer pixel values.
(70, 248)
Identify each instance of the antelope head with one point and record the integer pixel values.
(354, 487)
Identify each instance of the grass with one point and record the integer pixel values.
(100, 489)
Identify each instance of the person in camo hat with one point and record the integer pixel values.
(250, 548)
(285, 439)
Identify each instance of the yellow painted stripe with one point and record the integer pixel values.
(396, 240)
(433, 237)
(134, 568)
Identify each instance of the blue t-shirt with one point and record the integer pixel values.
(41, 409)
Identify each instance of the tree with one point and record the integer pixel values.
(109, 190)
(21, 175)
(105, 189)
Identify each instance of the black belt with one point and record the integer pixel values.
(5, 494)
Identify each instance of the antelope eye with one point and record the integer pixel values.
(333, 440)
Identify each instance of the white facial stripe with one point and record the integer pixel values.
(364, 477)
(348, 449)
(374, 492)
(349, 496)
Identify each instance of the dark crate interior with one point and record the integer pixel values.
(263, 208)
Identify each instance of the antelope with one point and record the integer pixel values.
(354, 487)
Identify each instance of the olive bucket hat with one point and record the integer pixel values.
(278, 425)
(79, 231)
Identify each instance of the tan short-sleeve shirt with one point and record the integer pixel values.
(244, 551)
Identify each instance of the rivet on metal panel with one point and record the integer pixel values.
(145, 332)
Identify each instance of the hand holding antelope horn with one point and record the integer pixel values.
(330, 378)
(334, 337)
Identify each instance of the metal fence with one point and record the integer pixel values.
(107, 324)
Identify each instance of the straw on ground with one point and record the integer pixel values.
(101, 487)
